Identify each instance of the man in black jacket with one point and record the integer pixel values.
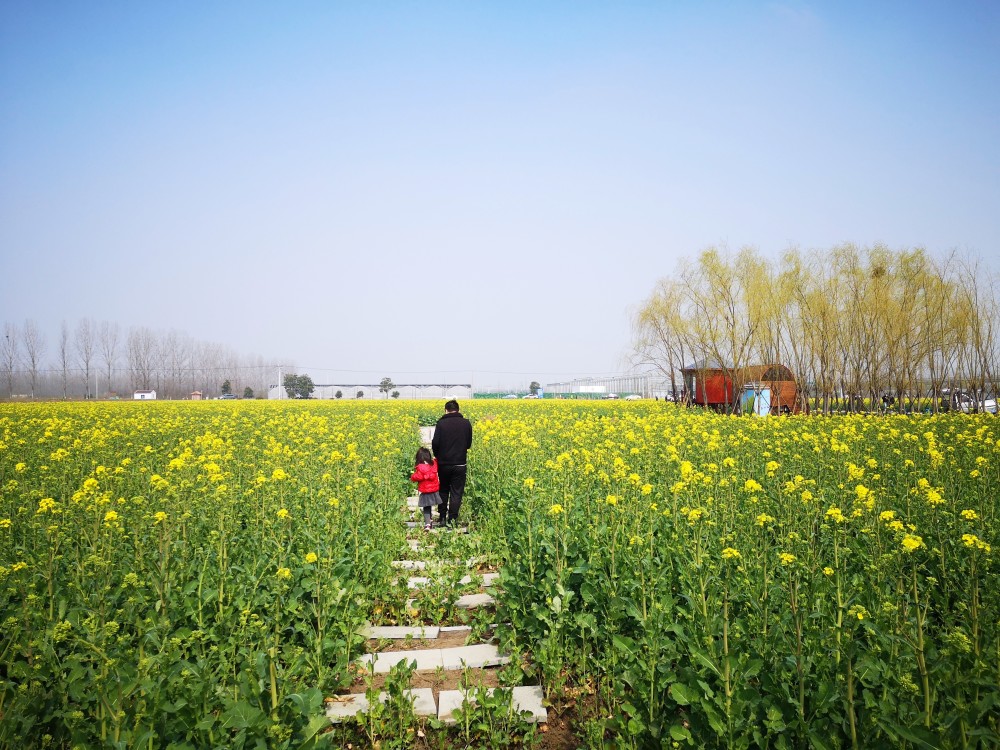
(451, 442)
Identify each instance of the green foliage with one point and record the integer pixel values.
(248, 392)
(227, 387)
(385, 386)
(298, 386)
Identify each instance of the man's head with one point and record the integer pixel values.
(451, 406)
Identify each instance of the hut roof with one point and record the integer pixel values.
(705, 363)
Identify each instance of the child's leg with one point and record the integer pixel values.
(427, 515)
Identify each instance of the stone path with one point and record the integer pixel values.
(396, 643)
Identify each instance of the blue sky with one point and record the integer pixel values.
(418, 189)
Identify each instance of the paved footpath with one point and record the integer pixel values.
(473, 664)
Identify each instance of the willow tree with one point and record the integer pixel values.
(661, 331)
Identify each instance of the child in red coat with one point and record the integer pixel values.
(425, 474)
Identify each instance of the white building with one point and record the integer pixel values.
(144, 396)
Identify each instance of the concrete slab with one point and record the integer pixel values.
(344, 707)
(455, 629)
(394, 632)
(409, 564)
(474, 601)
(412, 502)
(417, 582)
(414, 544)
(528, 698)
(427, 660)
(488, 579)
(426, 435)
(473, 657)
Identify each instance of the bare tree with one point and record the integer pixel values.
(64, 358)
(141, 349)
(34, 351)
(109, 340)
(10, 354)
(84, 344)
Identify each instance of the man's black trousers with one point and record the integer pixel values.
(452, 488)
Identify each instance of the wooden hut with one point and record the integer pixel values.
(767, 389)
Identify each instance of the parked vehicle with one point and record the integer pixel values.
(967, 402)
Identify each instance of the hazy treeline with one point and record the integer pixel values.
(849, 321)
(94, 359)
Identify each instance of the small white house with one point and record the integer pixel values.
(144, 396)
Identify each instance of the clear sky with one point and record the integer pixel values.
(432, 190)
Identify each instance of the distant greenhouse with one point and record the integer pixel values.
(644, 385)
(441, 391)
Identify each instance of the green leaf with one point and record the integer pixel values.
(681, 695)
(679, 732)
(308, 702)
(241, 716)
(310, 731)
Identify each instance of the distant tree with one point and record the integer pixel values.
(10, 355)
(395, 394)
(248, 392)
(108, 341)
(338, 394)
(227, 387)
(360, 394)
(298, 386)
(534, 387)
(64, 358)
(141, 350)
(386, 385)
(34, 350)
(84, 344)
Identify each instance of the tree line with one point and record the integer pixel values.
(869, 326)
(94, 359)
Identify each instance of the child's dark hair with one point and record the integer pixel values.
(424, 456)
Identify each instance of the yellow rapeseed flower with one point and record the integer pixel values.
(828, 571)
(730, 554)
(912, 542)
(311, 557)
(283, 513)
(786, 558)
(284, 574)
(556, 509)
(970, 515)
(971, 540)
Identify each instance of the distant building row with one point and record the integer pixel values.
(371, 391)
